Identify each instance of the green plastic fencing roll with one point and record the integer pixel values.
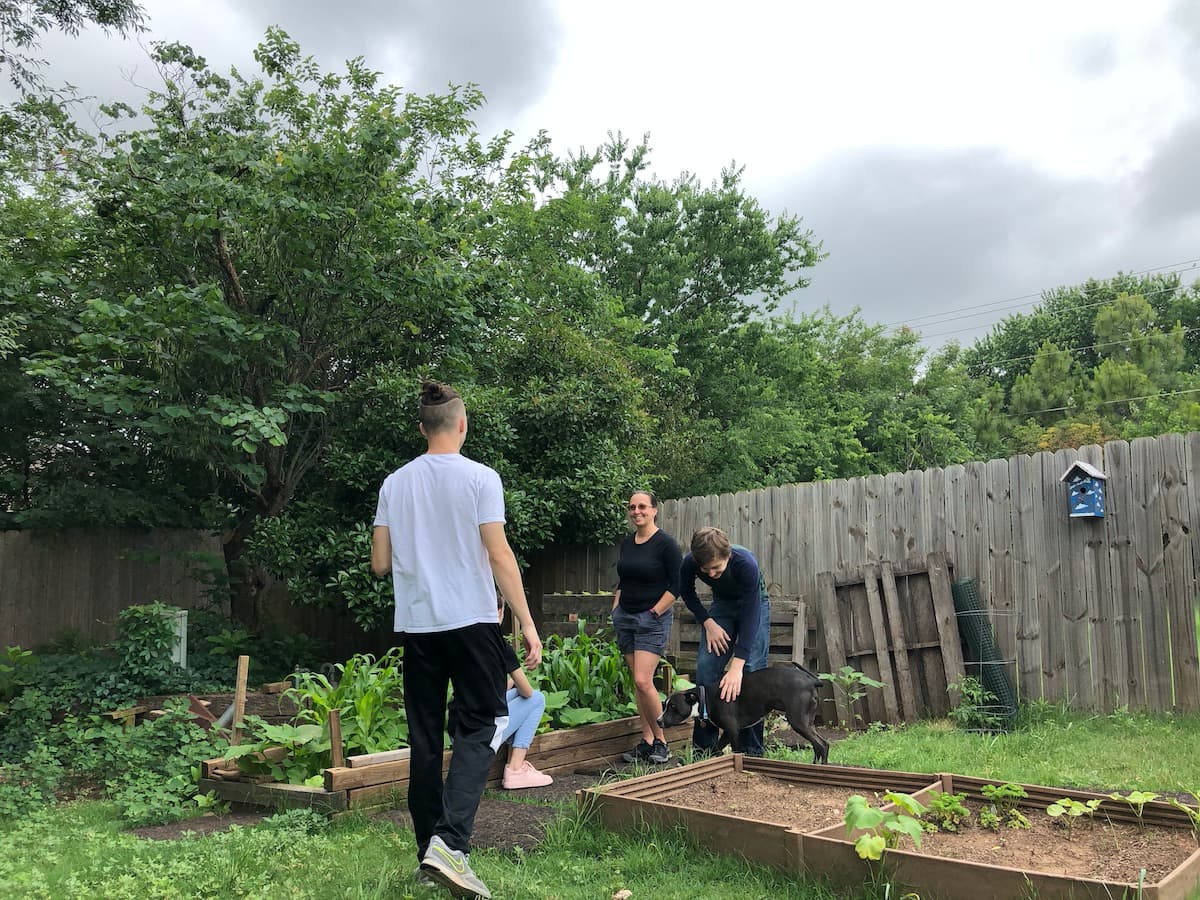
(975, 625)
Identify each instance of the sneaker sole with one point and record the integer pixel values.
(455, 887)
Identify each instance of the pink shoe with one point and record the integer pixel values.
(525, 777)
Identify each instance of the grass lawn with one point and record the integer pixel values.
(80, 850)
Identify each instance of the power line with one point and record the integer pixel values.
(1025, 299)
(997, 362)
(1034, 412)
(1079, 306)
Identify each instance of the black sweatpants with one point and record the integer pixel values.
(472, 660)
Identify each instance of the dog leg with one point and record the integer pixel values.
(802, 725)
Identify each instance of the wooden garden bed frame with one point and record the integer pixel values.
(381, 779)
(828, 853)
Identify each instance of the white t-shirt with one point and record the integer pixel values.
(432, 508)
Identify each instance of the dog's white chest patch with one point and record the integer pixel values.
(695, 710)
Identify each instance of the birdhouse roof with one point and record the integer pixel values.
(1086, 468)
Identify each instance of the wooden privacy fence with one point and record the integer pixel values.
(80, 579)
(1098, 613)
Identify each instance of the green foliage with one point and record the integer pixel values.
(147, 771)
(978, 708)
(1137, 801)
(883, 827)
(15, 665)
(852, 685)
(1192, 812)
(1003, 807)
(946, 811)
(306, 751)
(369, 696)
(145, 638)
(1070, 810)
(585, 679)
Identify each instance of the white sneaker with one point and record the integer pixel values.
(451, 869)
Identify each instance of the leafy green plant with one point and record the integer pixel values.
(292, 754)
(584, 678)
(882, 828)
(15, 664)
(1192, 813)
(946, 812)
(1070, 810)
(145, 639)
(1004, 799)
(852, 685)
(989, 817)
(368, 694)
(1137, 801)
(977, 707)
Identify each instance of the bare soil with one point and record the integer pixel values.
(1096, 849)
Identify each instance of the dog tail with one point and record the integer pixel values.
(804, 670)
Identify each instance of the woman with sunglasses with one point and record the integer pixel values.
(642, 613)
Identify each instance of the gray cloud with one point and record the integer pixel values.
(509, 49)
(913, 234)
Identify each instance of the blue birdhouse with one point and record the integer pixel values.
(1085, 490)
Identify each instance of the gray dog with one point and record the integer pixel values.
(791, 689)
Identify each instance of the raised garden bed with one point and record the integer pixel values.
(383, 779)
(785, 815)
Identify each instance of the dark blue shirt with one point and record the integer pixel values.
(740, 585)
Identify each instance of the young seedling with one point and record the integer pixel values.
(1004, 799)
(1192, 812)
(1137, 800)
(883, 828)
(852, 685)
(1072, 810)
(946, 812)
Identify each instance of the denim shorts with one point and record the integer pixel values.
(642, 631)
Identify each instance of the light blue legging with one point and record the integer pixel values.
(524, 714)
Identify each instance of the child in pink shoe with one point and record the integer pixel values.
(525, 708)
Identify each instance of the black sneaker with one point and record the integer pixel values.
(659, 753)
(640, 753)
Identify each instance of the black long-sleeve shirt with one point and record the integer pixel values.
(741, 583)
(647, 571)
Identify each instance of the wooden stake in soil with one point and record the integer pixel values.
(239, 699)
(336, 759)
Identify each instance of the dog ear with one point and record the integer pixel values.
(692, 696)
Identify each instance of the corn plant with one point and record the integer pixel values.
(585, 679)
(368, 695)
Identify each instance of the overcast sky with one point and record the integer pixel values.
(948, 154)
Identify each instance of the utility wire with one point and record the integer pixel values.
(997, 362)
(1071, 309)
(1034, 412)
(1024, 299)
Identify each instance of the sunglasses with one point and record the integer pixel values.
(633, 507)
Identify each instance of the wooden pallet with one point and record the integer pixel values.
(896, 624)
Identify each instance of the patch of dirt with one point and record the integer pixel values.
(1111, 851)
(510, 819)
(198, 826)
(750, 795)
(1097, 849)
